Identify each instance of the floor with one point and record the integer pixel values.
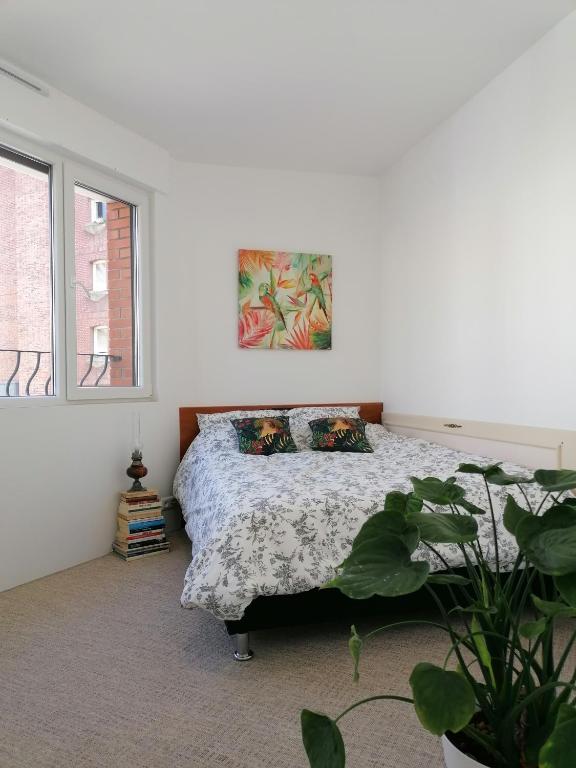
(101, 667)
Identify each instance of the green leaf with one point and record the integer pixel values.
(486, 610)
(559, 516)
(476, 469)
(322, 339)
(448, 578)
(552, 609)
(437, 491)
(355, 647)
(381, 565)
(549, 542)
(444, 701)
(482, 646)
(553, 552)
(513, 514)
(559, 751)
(532, 629)
(566, 585)
(244, 283)
(497, 476)
(441, 528)
(471, 508)
(526, 529)
(405, 503)
(390, 521)
(566, 712)
(322, 741)
(556, 479)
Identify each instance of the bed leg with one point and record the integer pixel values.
(242, 650)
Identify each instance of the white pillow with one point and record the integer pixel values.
(299, 418)
(215, 420)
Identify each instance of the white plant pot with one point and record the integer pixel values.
(453, 758)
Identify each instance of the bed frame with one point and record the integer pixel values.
(530, 446)
(315, 605)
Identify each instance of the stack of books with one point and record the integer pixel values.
(141, 525)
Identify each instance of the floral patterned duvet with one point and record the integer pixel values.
(271, 525)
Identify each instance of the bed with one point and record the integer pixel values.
(267, 532)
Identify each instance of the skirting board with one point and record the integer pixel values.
(534, 447)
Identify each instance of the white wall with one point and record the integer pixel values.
(479, 253)
(61, 467)
(226, 209)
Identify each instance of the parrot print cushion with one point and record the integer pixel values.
(340, 433)
(301, 417)
(264, 436)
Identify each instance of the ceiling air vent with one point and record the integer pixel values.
(22, 80)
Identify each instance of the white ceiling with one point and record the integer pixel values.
(328, 85)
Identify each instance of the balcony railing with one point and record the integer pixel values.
(30, 361)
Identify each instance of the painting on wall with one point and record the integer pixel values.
(284, 300)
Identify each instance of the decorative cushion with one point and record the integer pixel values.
(340, 433)
(209, 420)
(301, 417)
(264, 436)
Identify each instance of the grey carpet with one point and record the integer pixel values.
(100, 667)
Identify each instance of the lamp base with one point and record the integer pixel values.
(137, 471)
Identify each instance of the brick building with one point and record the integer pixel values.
(103, 267)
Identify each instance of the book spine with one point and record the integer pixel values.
(140, 494)
(143, 551)
(127, 536)
(139, 516)
(140, 540)
(136, 502)
(123, 507)
(141, 520)
(145, 534)
(132, 557)
(138, 545)
(141, 525)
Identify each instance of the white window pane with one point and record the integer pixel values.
(26, 322)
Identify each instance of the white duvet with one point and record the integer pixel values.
(271, 525)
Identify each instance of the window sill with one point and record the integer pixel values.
(7, 403)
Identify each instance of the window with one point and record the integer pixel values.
(97, 211)
(26, 292)
(109, 257)
(66, 224)
(101, 339)
(101, 358)
(99, 276)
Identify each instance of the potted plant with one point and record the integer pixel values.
(503, 698)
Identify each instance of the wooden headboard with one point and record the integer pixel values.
(370, 412)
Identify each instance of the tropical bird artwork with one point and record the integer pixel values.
(318, 293)
(284, 300)
(269, 301)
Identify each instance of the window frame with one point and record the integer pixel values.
(22, 146)
(75, 173)
(63, 169)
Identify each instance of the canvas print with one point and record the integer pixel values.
(285, 300)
